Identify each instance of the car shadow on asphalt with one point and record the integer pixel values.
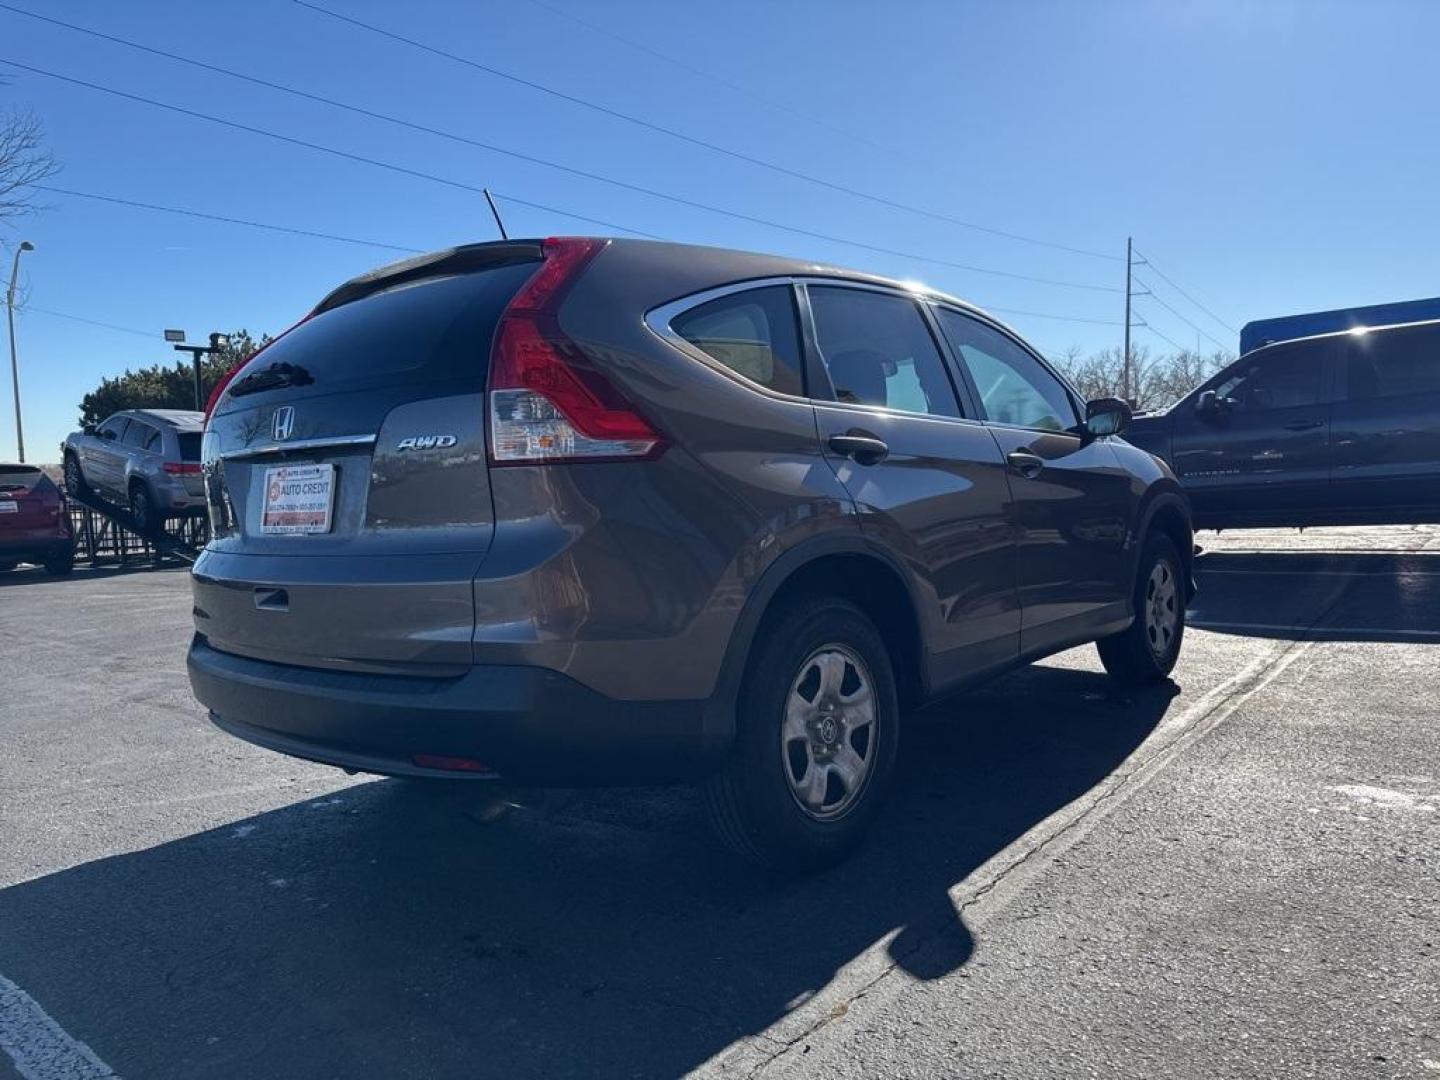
(1381, 596)
(386, 931)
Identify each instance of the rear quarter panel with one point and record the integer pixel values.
(630, 576)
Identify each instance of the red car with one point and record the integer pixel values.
(34, 521)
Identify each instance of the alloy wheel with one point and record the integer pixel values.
(828, 738)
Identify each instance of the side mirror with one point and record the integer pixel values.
(1106, 416)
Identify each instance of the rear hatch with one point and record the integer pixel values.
(30, 504)
(345, 469)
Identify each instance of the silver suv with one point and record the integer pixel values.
(581, 511)
(148, 459)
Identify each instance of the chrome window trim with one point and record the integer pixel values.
(658, 319)
(269, 449)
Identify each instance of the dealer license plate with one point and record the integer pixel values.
(298, 499)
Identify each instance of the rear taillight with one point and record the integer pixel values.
(547, 402)
(182, 468)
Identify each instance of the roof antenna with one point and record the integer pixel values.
(494, 210)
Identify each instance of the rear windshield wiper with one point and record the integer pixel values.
(276, 375)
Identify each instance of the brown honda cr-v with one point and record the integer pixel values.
(609, 511)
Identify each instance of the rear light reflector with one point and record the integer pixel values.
(453, 764)
(547, 402)
(182, 468)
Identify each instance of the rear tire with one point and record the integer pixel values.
(817, 733)
(1147, 650)
(142, 506)
(74, 478)
(60, 565)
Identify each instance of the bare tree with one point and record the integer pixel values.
(24, 162)
(1156, 381)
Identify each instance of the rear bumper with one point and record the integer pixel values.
(529, 724)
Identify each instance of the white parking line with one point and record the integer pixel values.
(1320, 573)
(40, 1048)
(1316, 631)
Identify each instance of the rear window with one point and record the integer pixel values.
(23, 472)
(1394, 363)
(432, 330)
(189, 445)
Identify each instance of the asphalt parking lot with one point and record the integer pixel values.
(1236, 875)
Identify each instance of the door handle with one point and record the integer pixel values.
(1025, 463)
(1303, 425)
(862, 448)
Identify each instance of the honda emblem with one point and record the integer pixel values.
(283, 422)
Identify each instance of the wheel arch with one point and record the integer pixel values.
(1168, 510)
(837, 566)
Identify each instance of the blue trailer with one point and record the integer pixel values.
(1263, 331)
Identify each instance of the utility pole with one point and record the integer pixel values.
(25, 245)
(1125, 361)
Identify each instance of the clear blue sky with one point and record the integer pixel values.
(1272, 156)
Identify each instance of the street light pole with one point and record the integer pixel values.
(25, 245)
(218, 343)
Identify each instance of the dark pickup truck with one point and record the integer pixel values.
(1335, 429)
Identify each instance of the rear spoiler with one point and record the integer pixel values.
(456, 260)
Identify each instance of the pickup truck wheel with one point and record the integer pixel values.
(74, 478)
(1146, 651)
(142, 506)
(817, 732)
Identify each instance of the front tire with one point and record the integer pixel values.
(817, 733)
(1147, 650)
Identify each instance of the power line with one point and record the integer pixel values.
(222, 217)
(694, 140)
(743, 91)
(404, 170)
(1173, 343)
(796, 230)
(151, 334)
(1045, 315)
(1187, 296)
(1181, 317)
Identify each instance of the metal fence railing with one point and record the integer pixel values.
(108, 535)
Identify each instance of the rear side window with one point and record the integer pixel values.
(138, 434)
(189, 445)
(753, 333)
(1279, 378)
(431, 330)
(879, 351)
(1393, 363)
(1014, 387)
